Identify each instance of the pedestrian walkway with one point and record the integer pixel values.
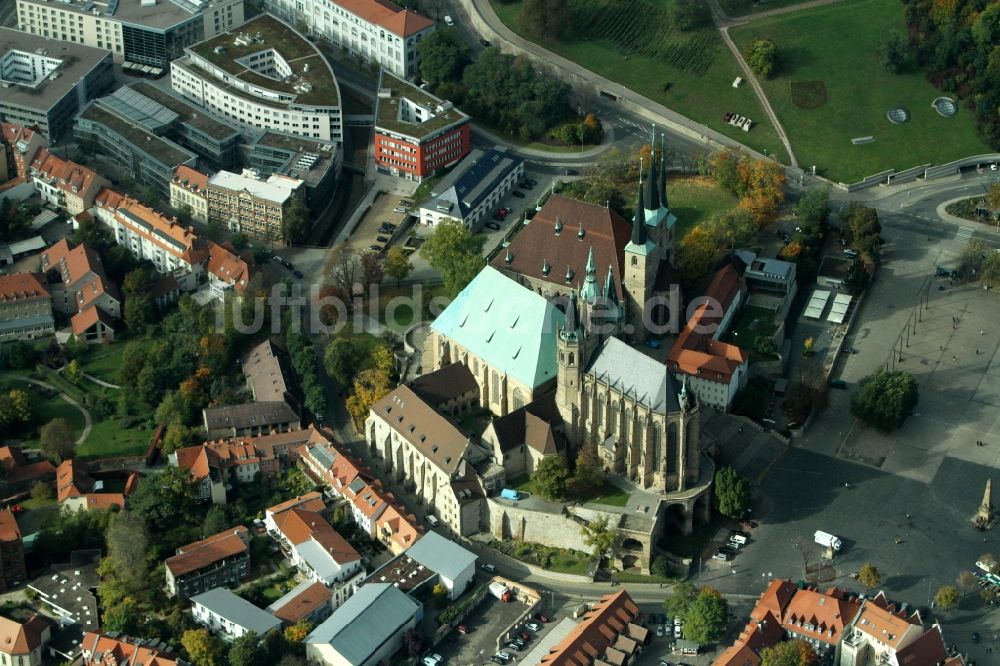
(963, 235)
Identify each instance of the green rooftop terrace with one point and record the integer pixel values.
(267, 32)
(388, 109)
(165, 152)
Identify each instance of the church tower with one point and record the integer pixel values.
(570, 351)
(666, 240)
(641, 263)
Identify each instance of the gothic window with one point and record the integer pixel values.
(599, 418)
(672, 448)
(655, 443)
(635, 261)
(518, 399)
(572, 358)
(495, 388)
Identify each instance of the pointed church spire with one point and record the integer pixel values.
(663, 173)
(610, 293)
(580, 234)
(572, 325)
(652, 193)
(589, 291)
(591, 267)
(639, 224)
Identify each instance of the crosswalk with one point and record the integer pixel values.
(964, 235)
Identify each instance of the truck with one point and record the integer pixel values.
(500, 591)
(510, 493)
(828, 540)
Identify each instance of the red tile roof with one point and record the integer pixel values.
(19, 469)
(9, 531)
(85, 319)
(301, 525)
(598, 630)
(21, 639)
(312, 501)
(101, 650)
(303, 603)
(695, 352)
(192, 176)
(390, 16)
(197, 555)
(81, 269)
(19, 286)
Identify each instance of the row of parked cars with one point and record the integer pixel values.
(501, 213)
(737, 539)
(522, 637)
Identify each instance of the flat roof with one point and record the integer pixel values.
(267, 32)
(393, 89)
(276, 189)
(167, 152)
(161, 15)
(188, 113)
(78, 61)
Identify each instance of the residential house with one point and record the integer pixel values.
(117, 650)
(309, 601)
(64, 183)
(215, 561)
(22, 142)
(221, 611)
(246, 204)
(367, 630)
(20, 474)
(217, 464)
(12, 568)
(21, 643)
(25, 307)
(80, 283)
(77, 490)
(609, 633)
(714, 370)
(473, 189)
(311, 501)
(318, 551)
(188, 189)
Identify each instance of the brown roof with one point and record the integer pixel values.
(448, 383)
(532, 425)
(88, 317)
(300, 525)
(828, 613)
(250, 414)
(200, 554)
(885, 625)
(695, 352)
(227, 266)
(429, 432)
(81, 269)
(21, 639)
(194, 179)
(72, 479)
(20, 286)
(108, 651)
(927, 650)
(9, 531)
(594, 635)
(19, 469)
(604, 231)
(312, 501)
(264, 371)
(303, 603)
(393, 18)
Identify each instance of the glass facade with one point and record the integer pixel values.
(158, 48)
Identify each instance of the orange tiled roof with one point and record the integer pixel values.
(390, 16)
(83, 320)
(80, 268)
(304, 603)
(199, 554)
(19, 469)
(9, 531)
(300, 525)
(228, 267)
(101, 650)
(311, 501)
(592, 637)
(193, 177)
(21, 639)
(22, 286)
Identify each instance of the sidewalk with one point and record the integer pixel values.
(581, 156)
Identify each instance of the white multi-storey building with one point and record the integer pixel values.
(376, 31)
(266, 75)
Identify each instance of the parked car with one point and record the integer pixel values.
(525, 185)
(975, 636)
(507, 657)
(652, 343)
(375, 248)
(531, 181)
(721, 555)
(497, 660)
(298, 275)
(288, 265)
(493, 225)
(463, 629)
(488, 567)
(851, 254)
(677, 631)
(534, 626)
(277, 259)
(503, 210)
(525, 636)
(406, 203)
(838, 384)
(544, 619)
(485, 42)
(448, 21)
(518, 193)
(728, 550)
(513, 646)
(433, 660)
(660, 631)
(382, 239)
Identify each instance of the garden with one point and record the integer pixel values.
(560, 560)
(636, 45)
(827, 92)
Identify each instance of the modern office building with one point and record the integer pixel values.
(248, 205)
(143, 32)
(266, 75)
(316, 163)
(150, 159)
(416, 133)
(377, 31)
(473, 189)
(45, 82)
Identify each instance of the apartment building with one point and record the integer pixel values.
(222, 559)
(246, 204)
(103, 649)
(263, 74)
(81, 288)
(25, 307)
(143, 33)
(377, 31)
(188, 188)
(309, 601)
(609, 633)
(12, 567)
(416, 133)
(45, 82)
(221, 611)
(64, 183)
(77, 490)
(21, 143)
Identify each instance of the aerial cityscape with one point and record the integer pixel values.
(471, 332)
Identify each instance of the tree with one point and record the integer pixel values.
(761, 57)
(680, 600)
(73, 371)
(138, 286)
(689, 14)
(869, 576)
(695, 254)
(184, 215)
(968, 581)
(456, 252)
(162, 498)
(814, 207)
(795, 652)
(215, 521)
(372, 269)
(893, 53)
(857, 276)
(15, 409)
(550, 477)
(660, 567)
(705, 620)
(203, 648)
(297, 632)
(57, 439)
(370, 386)
(123, 617)
(343, 358)
(589, 474)
(439, 594)
(602, 537)
(397, 264)
(990, 561)
(807, 346)
(885, 398)
(127, 552)
(246, 651)
(732, 493)
(548, 19)
(865, 229)
(993, 195)
(295, 224)
(946, 598)
(41, 491)
(443, 57)
(725, 168)
(973, 258)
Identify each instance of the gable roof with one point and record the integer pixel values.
(102, 650)
(265, 372)
(311, 501)
(197, 555)
(927, 650)
(191, 179)
(9, 531)
(237, 610)
(87, 318)
(80, 268)
(19, 469)
(300, 601)
(437, 438)
(326, 551)
(18, 638)
(532, 424)
(22, 286)
(468, 185)
(511, 328)
(603, 230)
(634, 374)
(444, 384)
(402, 22)
(596, 633)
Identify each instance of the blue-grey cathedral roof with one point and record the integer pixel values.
(636, 375)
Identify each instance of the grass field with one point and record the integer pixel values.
(747, 7)
(45, 409)
(695, 199)
(631, 44)
(103, 361)
(811, 47)
(109, 439)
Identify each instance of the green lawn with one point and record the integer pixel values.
(629, 577)
(109, 439)
(751, 322)
(562, 560)
(859, 91)
(695, 67)
(746, 7)
(45, 409)
(609, 494)
(696, 199)
(103, 361)
(403, 313)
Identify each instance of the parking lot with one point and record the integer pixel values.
(387, 208)
(491, 618)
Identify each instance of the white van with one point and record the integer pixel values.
(448, 21)
(432, 520)
(738, 538)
